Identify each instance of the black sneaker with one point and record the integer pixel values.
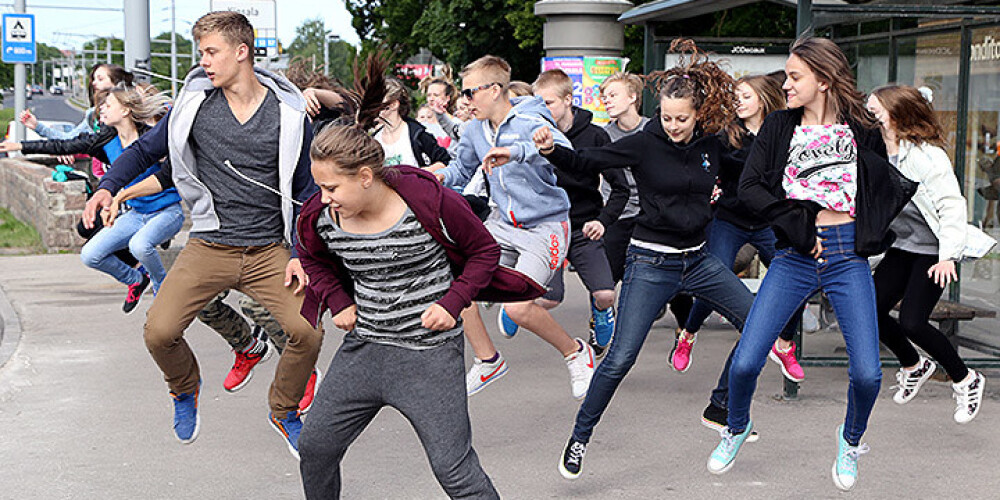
(572, 459)
(599, 351)
(135, 293)
(716, 418)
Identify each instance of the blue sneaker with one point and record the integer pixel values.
(725, 454)
(604, 323)
(289, 427)
(186, 418)
(845, 468)
(506, 325)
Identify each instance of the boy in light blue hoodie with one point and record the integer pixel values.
(530, 221)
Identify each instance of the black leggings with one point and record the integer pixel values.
(903, 276)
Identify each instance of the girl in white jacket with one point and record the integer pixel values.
(931, 233)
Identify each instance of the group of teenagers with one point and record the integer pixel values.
(334, 199)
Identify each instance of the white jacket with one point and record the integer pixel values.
(938, 197)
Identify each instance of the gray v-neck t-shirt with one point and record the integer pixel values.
(249, 215)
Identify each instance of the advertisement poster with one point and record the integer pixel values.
(587, 74)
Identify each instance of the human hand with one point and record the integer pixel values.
(346, 318)
(101, 199)
(818, 249)
(313, 105)
(28, 119)
(437, 318)
(8, 146)
(544, 140)
(593, 230)
(496, 157)
(294, 270)
(943, 273)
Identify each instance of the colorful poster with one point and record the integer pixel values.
(587, 74)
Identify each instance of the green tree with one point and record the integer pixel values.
(308, 45)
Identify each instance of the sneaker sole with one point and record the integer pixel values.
(489, 381)
(836, 480)
(567, 474)
(500, 325)
(752, 438)
(194, 435)
(774, 357)
(319, 378)
(291, 449)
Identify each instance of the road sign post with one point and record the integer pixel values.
(18, 47)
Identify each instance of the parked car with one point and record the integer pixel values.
(56, 89)
(37, 89)
(30, 135)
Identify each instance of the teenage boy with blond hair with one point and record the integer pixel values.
(238, 141)
(531, 218)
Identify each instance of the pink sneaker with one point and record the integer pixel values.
(790, 366)
(680, 356)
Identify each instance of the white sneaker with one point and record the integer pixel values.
(968, 396)
(909, 382)
(483, 374)
(581, 369)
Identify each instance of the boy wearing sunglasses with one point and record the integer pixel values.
(530, 221)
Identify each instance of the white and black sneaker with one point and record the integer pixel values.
(909, 381)
(572, 459)
(968, 396)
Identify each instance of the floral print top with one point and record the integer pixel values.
(822, 167)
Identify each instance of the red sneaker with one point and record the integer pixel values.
(790, 366)
(242, 370)
(307, 399)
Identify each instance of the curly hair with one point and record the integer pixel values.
(708, 86)
(346, 143)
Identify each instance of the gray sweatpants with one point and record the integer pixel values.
(426, 386)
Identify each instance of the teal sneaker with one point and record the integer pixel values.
(845, 469)
(722, 458)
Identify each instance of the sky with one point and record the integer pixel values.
(65, 19)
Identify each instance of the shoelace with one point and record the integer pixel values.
(968, 397)
(908, 381)
(849, 459)
(576, 451)
(728, 443)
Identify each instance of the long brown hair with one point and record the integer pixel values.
(346, 143)
(830, 66)
(912, 117)
(696, 77)
(771, 99)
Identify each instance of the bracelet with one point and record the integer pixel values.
(547, 151)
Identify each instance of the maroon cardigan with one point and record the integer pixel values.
(472, 252)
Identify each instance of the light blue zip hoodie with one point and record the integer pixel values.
(524, 189)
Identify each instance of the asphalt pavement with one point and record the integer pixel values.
(49, 107)
(84, 414)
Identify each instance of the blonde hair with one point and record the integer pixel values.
(495, 68)
(556, 79)
(234, 27)
(145, 104)
(632, 81)
(519, 89)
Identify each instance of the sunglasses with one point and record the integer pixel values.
(468, 93)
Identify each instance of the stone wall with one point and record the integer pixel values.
(53, 208)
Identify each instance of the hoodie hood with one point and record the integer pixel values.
(287, 93)
(581, 120)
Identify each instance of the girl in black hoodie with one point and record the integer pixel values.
(675, 161)
(818, 174)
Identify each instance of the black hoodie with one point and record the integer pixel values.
(675, 181)
(425, 147)
(729, 208)
(583, 186)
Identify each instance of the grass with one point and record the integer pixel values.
(6, 115)
(16, 236)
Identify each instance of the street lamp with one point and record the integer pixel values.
(329, 37)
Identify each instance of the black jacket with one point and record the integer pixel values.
(729, 208)
(583, 186)
(425, 147)
(675, 181)
(87, 143)
(882, 190)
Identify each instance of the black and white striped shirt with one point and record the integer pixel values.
(398, 274)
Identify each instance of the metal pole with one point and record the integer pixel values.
(137, 37)
(173, 49)
(326, 53)
(107, 47)
(20, 82)
(804, 19)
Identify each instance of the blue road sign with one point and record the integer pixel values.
(19, 38)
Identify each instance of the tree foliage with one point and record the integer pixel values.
(308, 45)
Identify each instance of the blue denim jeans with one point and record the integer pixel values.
(790, 281)
(725, 241)
(651, 280)
(140, 233)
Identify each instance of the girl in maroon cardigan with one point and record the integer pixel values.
(395, 257)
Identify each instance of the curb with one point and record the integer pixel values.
(10, 329)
